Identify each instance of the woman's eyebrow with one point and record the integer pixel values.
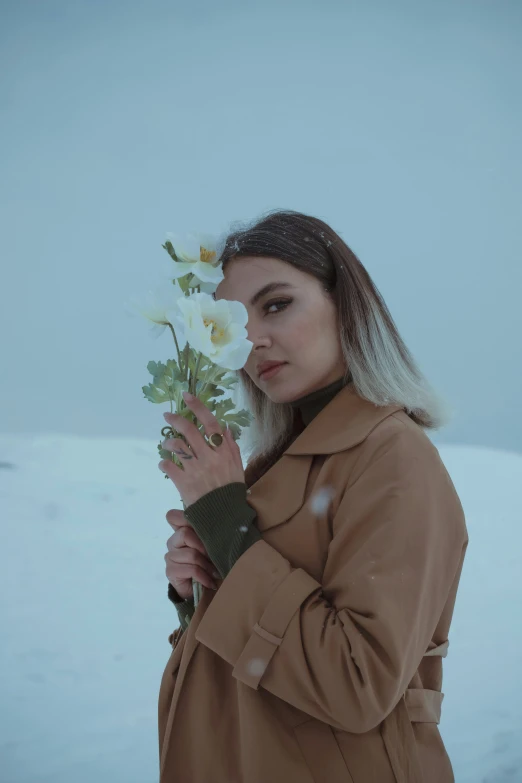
(268, 289)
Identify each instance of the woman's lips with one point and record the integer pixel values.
(271, 371)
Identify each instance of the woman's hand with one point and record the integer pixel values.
(187, 557)
(205, 467)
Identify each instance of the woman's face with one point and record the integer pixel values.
(294, 322)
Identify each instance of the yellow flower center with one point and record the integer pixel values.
(217, 333)
(207, 256)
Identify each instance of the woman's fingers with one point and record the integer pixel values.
(187, 537)
(202, 413)
(176, 518)
(186, 563)
(234, 448)
(186, 554)
(182, 572)
(190, 432)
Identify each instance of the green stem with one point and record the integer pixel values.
(177, 346)
(206, 381)
(198, 362)
(186, 353)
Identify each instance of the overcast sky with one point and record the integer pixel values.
(399, 123)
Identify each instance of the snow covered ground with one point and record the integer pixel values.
(85, 617)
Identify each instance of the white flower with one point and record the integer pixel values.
(216, 329)
(199, 255)
(160, 306)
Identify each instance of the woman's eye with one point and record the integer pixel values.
(281, 304)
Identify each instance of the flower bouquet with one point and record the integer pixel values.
(209, 337)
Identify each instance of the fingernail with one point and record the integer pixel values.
(216, 574)
(188, 396)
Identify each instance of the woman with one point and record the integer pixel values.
(315, 653)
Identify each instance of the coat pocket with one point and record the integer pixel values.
(321, 752)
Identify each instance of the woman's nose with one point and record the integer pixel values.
(259, 341)
(258, 337)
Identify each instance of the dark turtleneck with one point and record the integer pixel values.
(223, 518)
(310, 405)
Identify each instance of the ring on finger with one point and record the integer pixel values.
(216, 439)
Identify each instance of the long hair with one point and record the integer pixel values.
(378, 363)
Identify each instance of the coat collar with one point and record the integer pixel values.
(344, 422)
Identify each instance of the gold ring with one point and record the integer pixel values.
(216, 439)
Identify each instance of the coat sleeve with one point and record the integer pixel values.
(345, 651)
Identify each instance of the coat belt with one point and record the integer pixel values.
(417, 705)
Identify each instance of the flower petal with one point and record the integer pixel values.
(181, 268)
(208, 273)
(236, 357)
(158, 301)
(207, 288)
(187, 248)
(209, 327)
(238, 312)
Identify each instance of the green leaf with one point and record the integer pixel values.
(204, 364)
(235, 429)
(163, 453)
(207, 395)
(167, 383)
(185, 282)
(228, 383)
(243, 418)
(154, 395)
(235, 421)
(223, 407)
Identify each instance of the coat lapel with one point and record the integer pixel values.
(343, 423)
(280, 492)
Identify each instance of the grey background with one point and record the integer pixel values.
(398, 123)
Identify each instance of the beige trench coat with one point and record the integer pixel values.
(319, 658)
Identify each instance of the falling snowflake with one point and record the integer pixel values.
(256, 667)
(321, 499)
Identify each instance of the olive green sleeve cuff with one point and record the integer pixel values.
(185, 607)
(224, 521)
